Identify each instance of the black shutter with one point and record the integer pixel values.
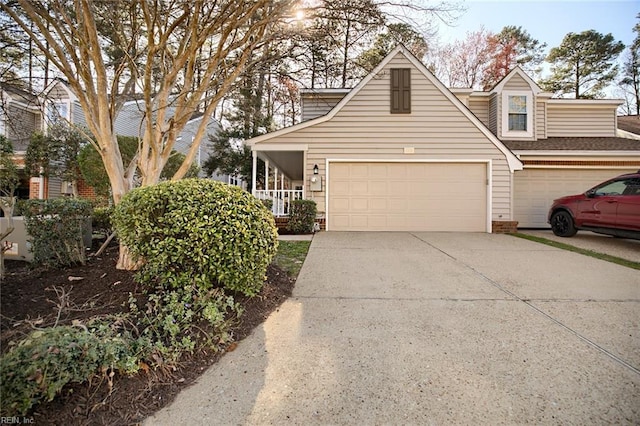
(400, 90)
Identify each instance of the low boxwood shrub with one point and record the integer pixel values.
(183, 319)
(57, 228)
(268, 204)
(39, 367)
(101, 219)
(302, 216)
(200, 231)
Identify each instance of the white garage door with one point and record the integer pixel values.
(407, 197)
(535, 190)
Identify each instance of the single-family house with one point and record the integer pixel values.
(130, 122)
(402, 152)
(20, 116)
(60, 101)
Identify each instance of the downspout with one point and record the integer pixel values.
(254, 172)
(41, 185)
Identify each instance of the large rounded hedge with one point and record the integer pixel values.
(199, 230)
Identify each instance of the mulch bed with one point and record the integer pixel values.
(40, 298)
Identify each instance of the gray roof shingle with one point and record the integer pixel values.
(629, 123)
(576, 144)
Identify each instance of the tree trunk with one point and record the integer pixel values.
(126, 261)
(6, 204)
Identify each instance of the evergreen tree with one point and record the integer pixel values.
(631, 68)
(583, 64)
(386, 41)
(512, 47)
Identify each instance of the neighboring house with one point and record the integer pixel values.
(130, 122)
(20, 116)
(401, 152)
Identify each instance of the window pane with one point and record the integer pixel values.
(518, 122)
(614, 188)
(58, 111)
(518, 104)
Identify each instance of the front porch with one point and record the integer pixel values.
(284, 176)
(280, 199)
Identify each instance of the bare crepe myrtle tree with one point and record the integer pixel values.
(110, 51)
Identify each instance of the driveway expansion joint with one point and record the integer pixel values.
(527, 302)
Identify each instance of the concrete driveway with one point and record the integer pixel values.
(434, 328)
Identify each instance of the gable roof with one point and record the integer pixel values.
(629, 123)
(19, 95)
(57, 85)
(499, 87)
(512, 160)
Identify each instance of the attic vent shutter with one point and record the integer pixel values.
(400, 90)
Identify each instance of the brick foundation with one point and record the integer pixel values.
(281, 223)
(504, 226)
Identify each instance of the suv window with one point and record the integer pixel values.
(628, 186)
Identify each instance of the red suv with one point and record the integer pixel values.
(612, 208)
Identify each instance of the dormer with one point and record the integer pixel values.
(61, 104)
(517, 107)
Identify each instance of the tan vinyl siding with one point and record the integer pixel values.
(580, 120)
(480, 108)
(516, 82)
(540, 131)
(317, 104)
(436, 129)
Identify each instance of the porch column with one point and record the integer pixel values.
(275, 178)
(266, 175)
(254, 172)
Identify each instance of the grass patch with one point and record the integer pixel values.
(291, 255)
(591, 253)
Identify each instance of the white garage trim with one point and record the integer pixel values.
(489, 182)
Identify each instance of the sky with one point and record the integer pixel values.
(547, 21)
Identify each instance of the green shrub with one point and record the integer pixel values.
(302, 216)
(57, 227)
(182, 319)
(41, 365)
(200, 231)
(268, 204)
(101, 219)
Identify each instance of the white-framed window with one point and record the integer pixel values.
(58, 111)
(517, 114)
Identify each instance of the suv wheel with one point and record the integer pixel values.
(562, 224)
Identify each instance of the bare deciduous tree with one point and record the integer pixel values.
(110, 49)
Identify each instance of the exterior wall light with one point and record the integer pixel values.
(315, 169)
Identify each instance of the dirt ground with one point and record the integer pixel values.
(37, 298)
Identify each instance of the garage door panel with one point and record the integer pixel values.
(535, 190)
(408, 197)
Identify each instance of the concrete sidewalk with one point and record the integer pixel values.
(434, 328)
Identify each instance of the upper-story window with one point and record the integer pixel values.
(400, 90)
(58, 111)
(517, 114)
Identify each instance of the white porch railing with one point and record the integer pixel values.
(281, 199)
